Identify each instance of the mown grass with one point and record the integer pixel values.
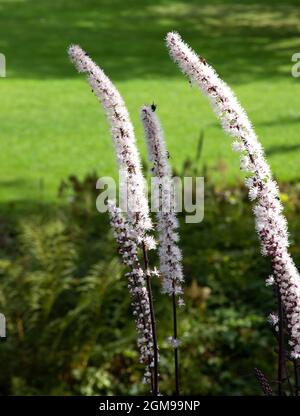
(52, 125)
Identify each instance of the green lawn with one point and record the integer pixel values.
(52, 125)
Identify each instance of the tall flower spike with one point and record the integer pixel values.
(169, 252)
(123, 138)
(270, 223)
(138, 221)
(128, 250)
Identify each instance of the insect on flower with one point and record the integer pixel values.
(153, 107)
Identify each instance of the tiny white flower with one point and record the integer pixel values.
(273, 319)
(270, 281)
(181, 302)
(149, 242)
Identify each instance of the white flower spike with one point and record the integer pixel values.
(128, 249)
(270, 223)
(123, 138)
(169, 252)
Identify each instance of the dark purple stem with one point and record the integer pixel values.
(176, 365)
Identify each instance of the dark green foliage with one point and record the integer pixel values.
(70, 329)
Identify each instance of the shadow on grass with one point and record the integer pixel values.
(250, 40)
(273, 150)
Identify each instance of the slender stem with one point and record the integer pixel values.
(153, 323)
(286, 369)
(281, 353)
(176, 365)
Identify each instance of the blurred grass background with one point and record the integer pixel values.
(61, 288)
(52, 125)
